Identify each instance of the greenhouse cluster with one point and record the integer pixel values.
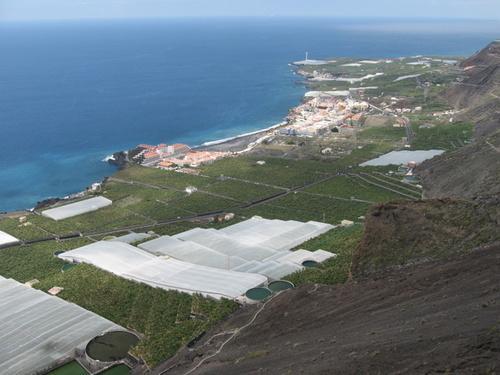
(135, 264)
(216, 263)
(253, 246)
(77, 208)
(38, 330)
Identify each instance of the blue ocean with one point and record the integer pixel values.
(72, 93)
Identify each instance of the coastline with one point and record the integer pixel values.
(238, 143)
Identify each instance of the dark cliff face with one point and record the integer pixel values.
(120, 159)
(123, 158)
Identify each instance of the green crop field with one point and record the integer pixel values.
(282, 173)
(36, 261)
(350, 187)
(242, 191)
(305, 207)
(166, 319)
(443, 136)
(22, 231)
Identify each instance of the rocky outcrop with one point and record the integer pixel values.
(46, 203)
(123, 158)
(119, 159)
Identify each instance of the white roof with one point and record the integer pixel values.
(7, 239)
(402, 157)
(38, 330)
(77, 208)
(256, 245)
(167, 273)
(216, 263)
(191, 252)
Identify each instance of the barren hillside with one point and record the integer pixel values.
(439, 317)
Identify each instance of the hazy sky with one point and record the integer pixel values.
(70, 9)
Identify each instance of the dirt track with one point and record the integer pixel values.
(431, 318)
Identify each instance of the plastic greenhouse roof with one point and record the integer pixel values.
(167, 273)
(38, 330)
(6, 239)
(77, 208)
(256, 245)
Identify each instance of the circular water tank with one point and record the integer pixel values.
(111, 347)
(258, 294)
(310, 264)
(279, 285)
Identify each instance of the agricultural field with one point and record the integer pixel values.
(353, 188)
(276, 172)
(242, 191)
(166, 319)
(36, 261)
(305, 207)
(23, 231)
(382, 134)
(441, 136)
(157, 177)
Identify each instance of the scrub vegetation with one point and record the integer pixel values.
(341, 241)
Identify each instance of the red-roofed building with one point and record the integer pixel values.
(151, 154)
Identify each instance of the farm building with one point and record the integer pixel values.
(77, 208)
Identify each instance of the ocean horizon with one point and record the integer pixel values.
(72, 93)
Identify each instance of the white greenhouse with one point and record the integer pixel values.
(253, 246)
(37, 330)
(7, 239)
(77, 208)
(216, 263)
(167, 273)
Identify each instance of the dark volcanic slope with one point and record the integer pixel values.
(432, 318)
(475, 169)
(479, 94)
(468, 172)
(484, 58)
(397, 234)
